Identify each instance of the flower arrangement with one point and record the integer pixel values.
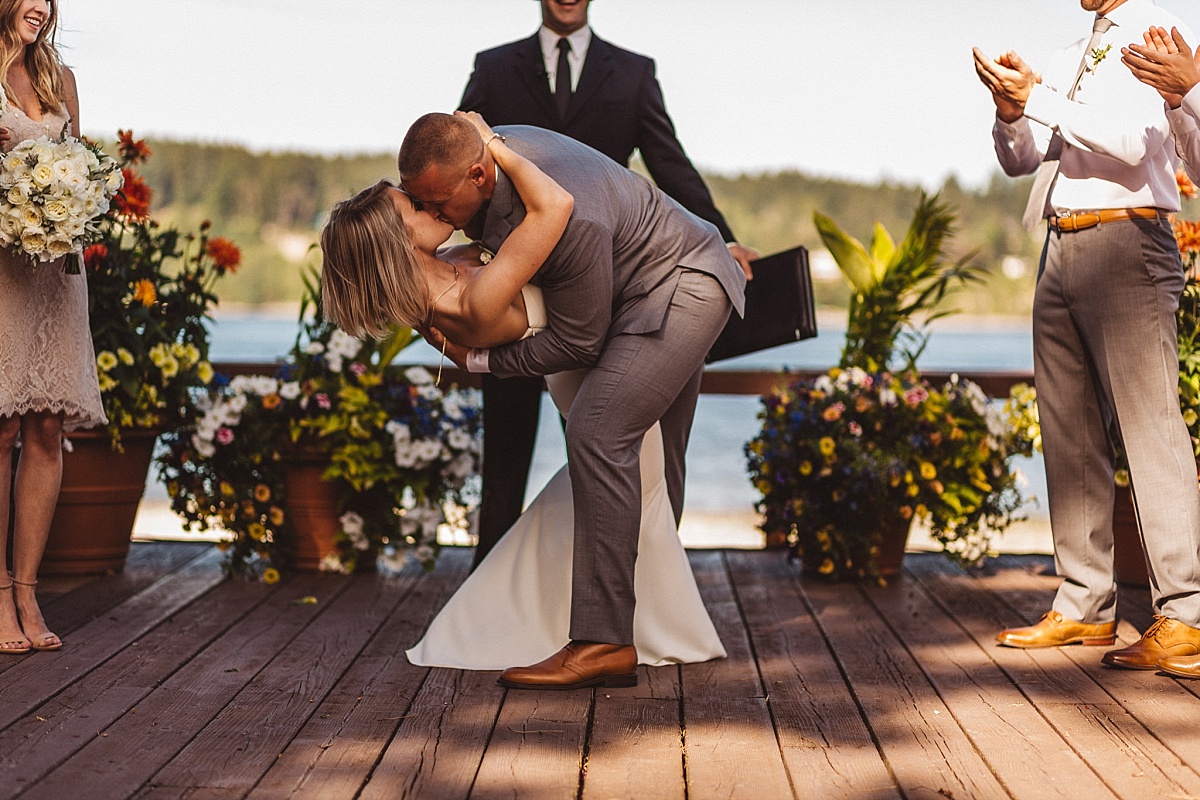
(866, 447)
(402, 453)
(53, 191)
(150, 290)
(841, 456)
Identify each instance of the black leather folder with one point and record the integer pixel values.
(779, 307)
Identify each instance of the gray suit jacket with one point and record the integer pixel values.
(616, 267)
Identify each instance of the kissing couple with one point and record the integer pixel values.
(615, 293)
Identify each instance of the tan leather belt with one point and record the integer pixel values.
(1082, 220)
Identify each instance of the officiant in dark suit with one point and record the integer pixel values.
(566, 79)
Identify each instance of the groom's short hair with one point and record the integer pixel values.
(442, 139)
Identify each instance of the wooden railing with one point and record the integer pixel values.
(715, 381)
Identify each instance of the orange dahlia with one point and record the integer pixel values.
(1186, 187)
(95, 255)
(133, 201)
(144, 293)
(132, 150)
(225, 254)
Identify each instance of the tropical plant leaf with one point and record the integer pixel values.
(851, 257)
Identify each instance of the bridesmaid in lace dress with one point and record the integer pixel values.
(47, 365)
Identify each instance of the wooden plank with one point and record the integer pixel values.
(244, 739)
(123, 757)
(1066, 685)
(730, 743)
(441, 739)
(338, 749)
(69, 603)
(636, 743)
(826, 744)
(57, 729)
(1020, 746)
(537, 746)
(34, 680)
(928, 752)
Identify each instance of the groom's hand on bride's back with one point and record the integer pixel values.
(455, 352)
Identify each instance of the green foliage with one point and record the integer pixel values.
(896, 290)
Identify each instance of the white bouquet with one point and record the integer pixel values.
(51, 194)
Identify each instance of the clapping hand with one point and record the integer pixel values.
(1009, 79)
(1165, 62)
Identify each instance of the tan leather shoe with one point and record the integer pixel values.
(1181, 666)
(1166, 637)
(577, 666)
(1055, 630)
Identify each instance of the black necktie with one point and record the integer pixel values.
(562, 79)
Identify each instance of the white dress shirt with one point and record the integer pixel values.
(580, 41)
(1185, 127)
(1118, 151)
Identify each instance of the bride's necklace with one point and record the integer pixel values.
(432, 311)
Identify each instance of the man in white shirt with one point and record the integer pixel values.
(1167, 63)
(1104, 329)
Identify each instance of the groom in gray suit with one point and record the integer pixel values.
(636, 291)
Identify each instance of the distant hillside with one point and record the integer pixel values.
(273, 205)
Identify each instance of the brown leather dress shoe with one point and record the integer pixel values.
(1166, 637)
(1055, 630)
(1181, 666)
(577, 666)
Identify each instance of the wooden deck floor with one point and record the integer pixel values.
(175, 683)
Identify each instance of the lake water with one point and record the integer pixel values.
(717, 479)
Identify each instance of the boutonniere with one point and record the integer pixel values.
(485, 255)
(1098, 54)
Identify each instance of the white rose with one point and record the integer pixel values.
(114, 181)
(59, 246)
(11, 224)
(31, 216)
(290, 390)
(56, 210)
(42, 150)
(17, 195)
(33, 241)
(43, 175)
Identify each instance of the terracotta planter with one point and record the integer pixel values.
(890, 559)
(1129, 557)
(98, 502)
(313, 508)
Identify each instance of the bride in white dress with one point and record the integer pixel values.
(515, 607)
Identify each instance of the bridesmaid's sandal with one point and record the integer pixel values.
(14, 647)
(44, 641)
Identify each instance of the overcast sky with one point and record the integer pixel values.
(864, 89)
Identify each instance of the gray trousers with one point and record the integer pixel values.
(1104, 343)
(639, 380)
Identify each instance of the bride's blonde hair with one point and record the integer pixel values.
(42, 61)
(371, 275)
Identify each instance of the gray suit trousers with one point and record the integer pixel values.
(639, 379)
(1104, 340)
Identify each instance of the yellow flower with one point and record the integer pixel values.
(262, 493)
(257, 531)
(204, 371)
(913, 490)
(106, 382)
(270, 576)
(125, 356)
(826, 567)
(806, 468)
(226, 488)
(928, 471)
(921, 510)
(105, 360)
(144, 293)
(276, 515)
(169, 367)
(826, 446)
(159, 354)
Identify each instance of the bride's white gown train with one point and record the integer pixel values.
(515, 608)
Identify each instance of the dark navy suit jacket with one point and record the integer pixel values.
(616, 108)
